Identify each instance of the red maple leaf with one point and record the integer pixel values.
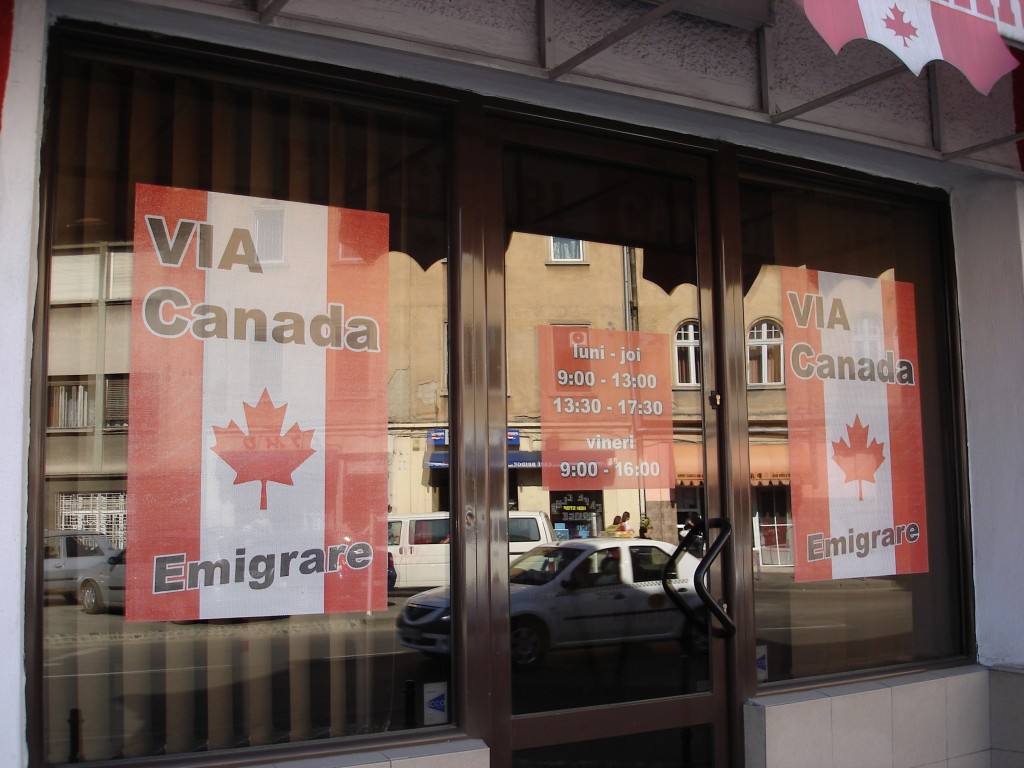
(263, 455)
(897, 22)
(858, 460)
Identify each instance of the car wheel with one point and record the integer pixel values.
(91, 598)
(529, 642)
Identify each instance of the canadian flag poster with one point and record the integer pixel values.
(855, 446)
(257, 465)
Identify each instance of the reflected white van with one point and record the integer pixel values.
(420, 544)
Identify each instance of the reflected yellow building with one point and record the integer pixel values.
(592, 285)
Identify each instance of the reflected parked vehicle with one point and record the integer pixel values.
(102, 586)
(421, 544)
(571, 593)
(392, 572)
(68, 555)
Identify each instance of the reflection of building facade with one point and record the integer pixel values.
(605, 165)
(588, 291)
(592, 291)
(417, 384)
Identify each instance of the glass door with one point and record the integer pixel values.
(607, 328)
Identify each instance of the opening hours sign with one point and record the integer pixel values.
(606, 408)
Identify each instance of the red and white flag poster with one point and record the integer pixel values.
(257, 453)
(853, 396)
(919, 31)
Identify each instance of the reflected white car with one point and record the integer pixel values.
(571, 593)
(102, 586)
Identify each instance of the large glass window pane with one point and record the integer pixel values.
(855, 505)
(247, 415)
(603, 364)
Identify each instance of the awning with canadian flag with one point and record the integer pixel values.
(964, 33)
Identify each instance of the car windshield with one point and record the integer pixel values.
(541, 564)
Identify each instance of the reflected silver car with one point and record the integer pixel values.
(571, 593)
(102, 586)
(68, 555)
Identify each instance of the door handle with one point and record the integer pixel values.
(728, 628)
(672, 592)
(699, 585)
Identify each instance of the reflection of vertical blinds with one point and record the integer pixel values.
(137, 126)
(192, 688)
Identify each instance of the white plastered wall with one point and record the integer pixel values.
(987, 235)
(19, 171)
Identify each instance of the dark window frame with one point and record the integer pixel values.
(757, 168)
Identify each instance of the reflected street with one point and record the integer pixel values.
(68, 625)
(127, 683)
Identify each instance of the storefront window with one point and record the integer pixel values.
(247, 306)
(855, 509)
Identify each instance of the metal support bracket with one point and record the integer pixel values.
(835, 95)
(611, 39)
(270, 10)
(984, 145)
